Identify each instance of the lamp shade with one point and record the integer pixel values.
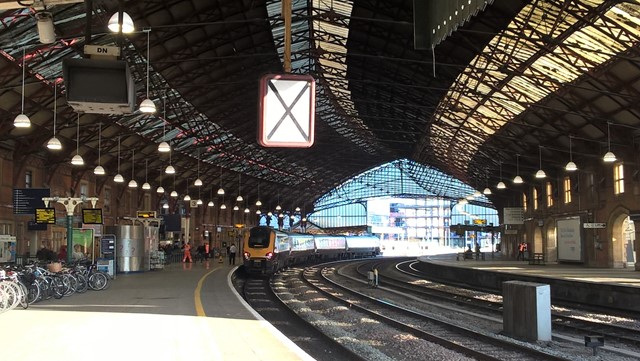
(127, 23)
(220, 191)
(487, 191)
(235, 208)
(518, 180)
(99, 170)
(146, 186)
(247, 210)
(187, 198)
(54, 144)
(118, 178)
(77, 160)
(258, 203)
(198, 182)
(170, 169)
(133, 184)
(174, 194)
(164, 147)
(165, 206)
(223, 206)
(571, 166)
(609, 157)
(239, 198)
(501, 185)
(160, 190)
(147, 106)
(210, 204)
(199, 202)
(541, 174)
(22, 121)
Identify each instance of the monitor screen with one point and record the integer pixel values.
(92, 216)
(45, 215)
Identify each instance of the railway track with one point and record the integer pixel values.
(439, 333)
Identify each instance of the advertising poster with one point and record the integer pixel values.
(82, 242)
(569, 240)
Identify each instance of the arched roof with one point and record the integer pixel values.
(514, 84)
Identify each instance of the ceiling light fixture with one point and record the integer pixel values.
(132, 182)
(609, 157)
(147, 105)
(127, 23)
(22, 121)
(258, 203)
(221, 190)
(198, 182)
(571, 166)
(77, 159)
(174, 194)
(517, 179)
(99, 170)
(501, 184)
(170, 169)
(164, 147)
(160, 189)
(146, 185)
(46, 30)
(186, 196)
(239, 198)
(54, 143)
(540, 173)
(118, 177)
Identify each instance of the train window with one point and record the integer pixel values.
(259, 238)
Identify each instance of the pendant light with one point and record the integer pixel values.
(297, 209)
(247, 210)
(235, 208)
(170, 169)
(127, 23)
(199, 202)
(222, 206)
(132, 182)
(258, 212)
(99, 170)
(571, 166)
(160, 189)
(77, 159)
(174, 194)
(165, 205)
(278, 205)
(487, 190)
(198, 182)
(186, 196)
(501, 184)
(210, 204)
(164, 147)
(609, 157)
(258, 203)
(540, 173)
(239, 198)
(221, 190)
(146, 185)
(54, 143)
(118, 178)
(147, 105)
(517, 179)
(22, 121)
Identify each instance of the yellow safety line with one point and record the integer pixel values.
(196, 295)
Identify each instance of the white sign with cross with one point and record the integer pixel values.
(287, 111)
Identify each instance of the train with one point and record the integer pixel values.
(267, 250)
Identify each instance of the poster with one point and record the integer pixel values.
(82, 242)
(569, 239)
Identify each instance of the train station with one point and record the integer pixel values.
(168, 156)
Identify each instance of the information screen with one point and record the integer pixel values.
(45, 215)
(92, 216)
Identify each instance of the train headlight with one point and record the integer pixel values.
(269, 256)
(247, 255)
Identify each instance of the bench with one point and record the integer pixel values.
(538, 258)
(465, 255)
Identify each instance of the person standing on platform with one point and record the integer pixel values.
(521, 248)
(187, 253)
(232, 254)
(206, 251)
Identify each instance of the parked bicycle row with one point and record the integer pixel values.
(25, 285)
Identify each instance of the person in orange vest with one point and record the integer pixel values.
(187, 253)
(521, 248)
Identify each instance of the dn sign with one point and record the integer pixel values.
(287, 111)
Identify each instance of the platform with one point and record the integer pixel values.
(604, 287)
(183, 312)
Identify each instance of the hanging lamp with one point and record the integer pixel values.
(487, 190)
(198, 181)
(501, 184)
(77, 159)
(258, 203)
(239, 198)
(54, 143)
(118, 177)
(99, 170)
(146, 185)
(164, 147)
(174, 194)
(132, 182)
(540, 173)
(517, 179)
(186, 196)
(160, 189)
(147, 105)
(22, 120)
(571, 166)
(170, 169)
(221, 190)
(609, 157)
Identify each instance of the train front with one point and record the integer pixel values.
(261, 251)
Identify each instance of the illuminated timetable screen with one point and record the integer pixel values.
(92, 216)
(45, 215)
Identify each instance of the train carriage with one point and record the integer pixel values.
(330, 246)
(302, 247)
(362, 246)
(265, 250)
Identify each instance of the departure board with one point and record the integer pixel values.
(45, 215)
(92, 216)
(146, 214)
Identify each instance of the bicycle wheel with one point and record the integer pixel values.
(71, 284)
(98, 281)
(24, 302)
(58, 286)
(83, 283)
